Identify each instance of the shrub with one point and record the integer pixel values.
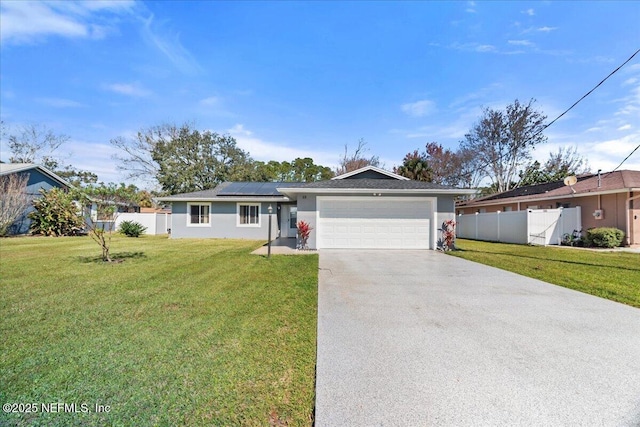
(132, 228)
(56, 214)
(304, 231)
(604, 237)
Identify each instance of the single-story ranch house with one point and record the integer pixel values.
(39, 178)
(366, 208)
(606, 200)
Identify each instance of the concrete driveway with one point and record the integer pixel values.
(419, 338)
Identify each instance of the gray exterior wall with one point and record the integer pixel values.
(37, 180)
(307, 209)
(224, 218)
(223, 222)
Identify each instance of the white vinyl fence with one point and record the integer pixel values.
(156, 223)
(532, 226)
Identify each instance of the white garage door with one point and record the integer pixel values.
(374, 222)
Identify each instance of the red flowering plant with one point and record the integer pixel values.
(304, 231)
(448, 240)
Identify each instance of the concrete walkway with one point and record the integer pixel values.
(419, 338)
(282, 246)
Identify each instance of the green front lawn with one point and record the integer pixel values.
(183, 332)
(611, 275)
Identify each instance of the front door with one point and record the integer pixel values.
(289, 221)
(293, 221)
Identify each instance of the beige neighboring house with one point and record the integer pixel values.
(607, 200)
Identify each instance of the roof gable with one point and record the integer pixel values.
(9, 168)
(370, 172)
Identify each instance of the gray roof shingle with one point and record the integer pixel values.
(375, 184)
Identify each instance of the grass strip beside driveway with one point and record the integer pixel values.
(183, 332)
(611, 275)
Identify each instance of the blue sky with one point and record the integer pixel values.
(298, 79)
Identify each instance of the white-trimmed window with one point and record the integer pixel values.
(199, 214)
(248, 214)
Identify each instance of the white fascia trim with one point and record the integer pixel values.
(365, 191)
(371, 168)
(223, 199)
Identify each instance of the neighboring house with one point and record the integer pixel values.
(606, 200)
(366, 208)
(39, 178)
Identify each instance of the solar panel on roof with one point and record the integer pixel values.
(253, 188)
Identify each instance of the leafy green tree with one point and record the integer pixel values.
(193, 161)
(415, 166)
(502, 141)
(56, 213)
(299, 170)
(564, 162)
(77, 177)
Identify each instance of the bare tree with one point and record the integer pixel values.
(36, 144)
(502, 141)
(14, 200)
(357, 160)
(136, 158)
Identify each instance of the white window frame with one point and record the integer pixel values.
(191, 224)
(258, 205)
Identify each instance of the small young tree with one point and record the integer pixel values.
(107, 199)
(14, 200)
(56, 214)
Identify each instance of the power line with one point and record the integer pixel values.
(501, 156)
(594, 88)
(625, 159)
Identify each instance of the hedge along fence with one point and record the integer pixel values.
(537, 227)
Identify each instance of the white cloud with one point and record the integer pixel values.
(486, 48)
(625, 127)
(546, 29)
(60, 102)
(529, 12)
(30, 22)
(419, 108)
(210, 101)
(170, 46)
(471, 7)
(265, 150)
(630, 81)
(128, 89)
(521, 43)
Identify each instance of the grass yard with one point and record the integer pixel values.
(183, 332)
(611, 275)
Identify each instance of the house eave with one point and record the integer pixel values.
(291, 192)
(543, 198)
(224, 199)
